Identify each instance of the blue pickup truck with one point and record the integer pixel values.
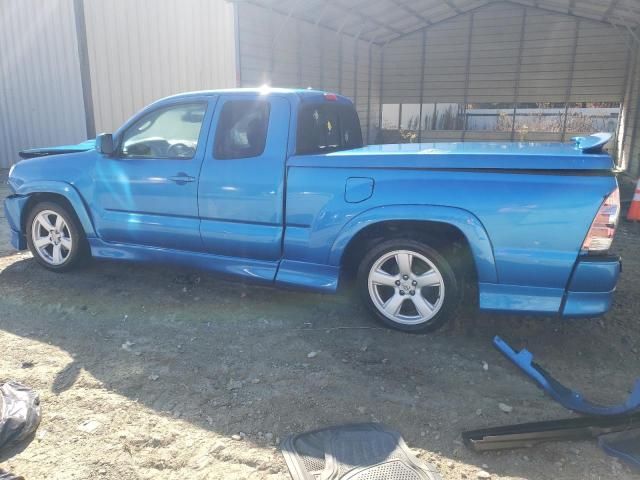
(275, 186)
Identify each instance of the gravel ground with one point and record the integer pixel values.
(151, 372)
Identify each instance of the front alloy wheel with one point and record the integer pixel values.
(408, 285)
(51, 237)
(55, 237)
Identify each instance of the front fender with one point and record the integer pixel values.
(464, 220)
(66, 190)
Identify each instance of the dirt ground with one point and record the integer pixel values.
(150, 372)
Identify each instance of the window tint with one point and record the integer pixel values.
(327, 128)
(242, 129)
(170, 132)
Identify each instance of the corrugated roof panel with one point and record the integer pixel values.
(385, 20)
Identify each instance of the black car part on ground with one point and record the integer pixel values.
(19, 413)
(564, 396)
(353, 452)
(525, 435)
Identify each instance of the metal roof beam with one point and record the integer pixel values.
(535, 4)
(373, 35)
(612, 6)
(357, 18)
(280, 11)
(322, 12)
(635, 35)
(411, 11)
(433, 24)
(453, 7)
(356, 11)
(292, 8)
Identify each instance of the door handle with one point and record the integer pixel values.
(182, 178)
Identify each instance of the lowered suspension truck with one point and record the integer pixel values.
(275, 186)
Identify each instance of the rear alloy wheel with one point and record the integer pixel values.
(408, 285)
(54, 237)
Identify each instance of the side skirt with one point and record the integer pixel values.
(256, 270)
(303, 275)
(308, 276)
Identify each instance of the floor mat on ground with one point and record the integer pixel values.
(367, 451)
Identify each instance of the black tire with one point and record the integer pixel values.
(79, 251)
(451, 291)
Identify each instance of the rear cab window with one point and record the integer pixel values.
(327, 127)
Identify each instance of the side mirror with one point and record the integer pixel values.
(104, 143)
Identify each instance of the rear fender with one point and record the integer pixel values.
(58, 188)
(464, 220)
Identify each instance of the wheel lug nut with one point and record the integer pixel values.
(405, 277)
(414, 283)
(398, 283)
(412, 292)
(402, 293)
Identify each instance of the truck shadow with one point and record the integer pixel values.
(230, 357)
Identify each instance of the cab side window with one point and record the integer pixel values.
(169, 132)
(242, 129)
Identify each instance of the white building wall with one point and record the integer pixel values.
(286, 52)
(40, 91)
(144, 50)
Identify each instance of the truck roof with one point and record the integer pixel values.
(264, 90)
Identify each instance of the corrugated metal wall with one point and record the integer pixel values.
(631, 127)
(508, 54)
(627, 119)
(284, 52)
(40, 92)
(144, 50)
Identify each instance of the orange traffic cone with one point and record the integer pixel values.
(634, 209)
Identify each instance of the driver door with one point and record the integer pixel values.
(147, 191)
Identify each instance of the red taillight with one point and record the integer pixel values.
(603, 228)
(332, 97)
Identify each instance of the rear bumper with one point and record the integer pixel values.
(592, 286)
(13, 206)
(590, 292)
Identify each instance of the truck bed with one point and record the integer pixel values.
(531, 206)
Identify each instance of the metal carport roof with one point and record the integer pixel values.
(381, 21)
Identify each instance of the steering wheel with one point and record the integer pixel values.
(180, 150)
